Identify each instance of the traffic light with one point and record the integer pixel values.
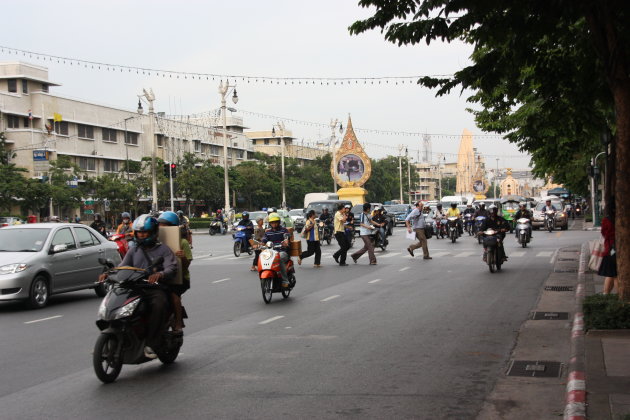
(170, 170)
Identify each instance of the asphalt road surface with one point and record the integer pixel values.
(407, 338)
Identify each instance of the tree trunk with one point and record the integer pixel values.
(622, 188)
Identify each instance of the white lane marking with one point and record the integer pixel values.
(330, 298)
(43, 319)
(465, 254)
(267, 321)
(393, 254)
(404, 269)
(222, 280)
(234, 258)
(440, 254)
(220, 257)
(374, 281)
(545, 254)
(326, 254)
(517, 254)
(553, 257)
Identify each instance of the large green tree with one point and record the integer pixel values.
(554, 76)
(13, 181)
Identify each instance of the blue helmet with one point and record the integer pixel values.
(146, 223)
(125, 215)
(169, 217)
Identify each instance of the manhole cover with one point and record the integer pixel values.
(559, 288)
(567, 259)
(565, 270)
(535, 368)
(552, 316)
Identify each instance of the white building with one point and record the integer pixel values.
(97, 138)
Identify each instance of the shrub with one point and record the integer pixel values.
(605, 312)
(200, 224)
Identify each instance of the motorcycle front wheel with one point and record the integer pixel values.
(328, 239)
(211, 232)
(267, 290)
(106, 364)
(237, 249)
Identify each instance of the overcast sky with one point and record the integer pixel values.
(270, 38)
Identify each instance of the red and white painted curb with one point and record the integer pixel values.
(575, 408)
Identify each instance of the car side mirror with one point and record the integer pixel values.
(59, 248)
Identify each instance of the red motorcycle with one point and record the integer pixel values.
(442, 228)
(121, 242)
(269, 272)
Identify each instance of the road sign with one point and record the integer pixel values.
(40, 160)
(88, 211)
(106, 204)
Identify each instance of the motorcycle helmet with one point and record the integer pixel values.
(493, 209)
(169, 217)
(146, 223)
(439, 206)
(245, 215)
(97, 216)
(325, 209)
(482, 205)
(274, 217)
(125, 215)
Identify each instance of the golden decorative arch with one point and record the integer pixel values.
(353, 165)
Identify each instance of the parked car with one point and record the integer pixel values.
(398, 212)
(43, 259)
(297, 215)
(10, 221)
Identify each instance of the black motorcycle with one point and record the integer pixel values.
(122, 319)
(324, 231)
(216, 226)
(492, 243)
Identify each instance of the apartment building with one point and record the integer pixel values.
(41, 126)
(270, 143)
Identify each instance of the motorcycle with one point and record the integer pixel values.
(453, 231)
(216, 226)
(440, 224)
(479, 222)
(550, 220)
(468, 224)
(269, 272)
(491, 243)
(122, 319)
(241, 243)
(121, 242)
(324, 231)
(523, 231)
(379, 241)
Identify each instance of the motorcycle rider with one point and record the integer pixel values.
(380, 221)
(549, 206)
(327, 218)
(219, 218)
(248, 224)
(469, 210)
(439, 216)
(185, 223)
(454, 212)
(498, 223)
(125, 228)
(98, 225)
(524, 213)
(481, 211)
(147, 250)
(279, 236)
(168, 218)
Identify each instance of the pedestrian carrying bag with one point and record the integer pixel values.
(597, 254)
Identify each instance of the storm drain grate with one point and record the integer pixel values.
(567, 259)
(535, 368)
(559, 288)
(552, 316)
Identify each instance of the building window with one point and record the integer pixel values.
(110, 165)
(13, 121)
(61, 127)
(240, 154)
(85, 131)
(27, 122)
(87, 164)
(160, 140)
(12, 83)
(266, 141)
(109, 135)
(44, 88)
(24, 86)
(214, 150)
(197, 145)
(131, 138)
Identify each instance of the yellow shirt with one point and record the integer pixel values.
(340, 218)
(452, 213)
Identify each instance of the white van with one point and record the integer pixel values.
(321, 196)
(448, 199)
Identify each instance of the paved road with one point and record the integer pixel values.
(407, 338)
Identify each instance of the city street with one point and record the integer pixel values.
(408, 338)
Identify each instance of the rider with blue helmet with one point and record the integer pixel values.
(248, 224)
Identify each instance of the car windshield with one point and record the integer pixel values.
(296, 212)
(22, 240)
(253, 215)
(540, 206)
(319, 207)
(397, 208)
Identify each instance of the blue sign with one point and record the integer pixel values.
(40, 155)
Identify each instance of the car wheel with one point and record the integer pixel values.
(39, 293)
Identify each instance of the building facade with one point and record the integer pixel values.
(270, 143)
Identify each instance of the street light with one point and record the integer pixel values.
(496, 175)
(280, 125)
(333, 140)
(594, 199)
(224, 88)
(149, 97)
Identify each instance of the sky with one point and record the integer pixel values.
(272, 38)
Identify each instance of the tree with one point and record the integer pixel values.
(35, 195)
(13, 181)
(384, 183)
(536, 64)
(61, 172)
(120, 193)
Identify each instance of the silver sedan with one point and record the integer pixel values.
(41, 259)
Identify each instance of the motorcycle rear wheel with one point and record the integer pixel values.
(106, 368)
(237, 249)
(168, 357)
(328, 239)
(491, 263)
(267, 290)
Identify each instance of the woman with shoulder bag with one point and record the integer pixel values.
(311, 235)
(608, 266)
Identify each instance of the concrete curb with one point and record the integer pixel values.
(575, 408)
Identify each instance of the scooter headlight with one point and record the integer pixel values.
(127, 310)
(102, 310)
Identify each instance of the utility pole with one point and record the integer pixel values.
(408, 174)
(333, 141)
(496, 176)
(400, 149)
(223, 91)
(280, 125)
(149, 97)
